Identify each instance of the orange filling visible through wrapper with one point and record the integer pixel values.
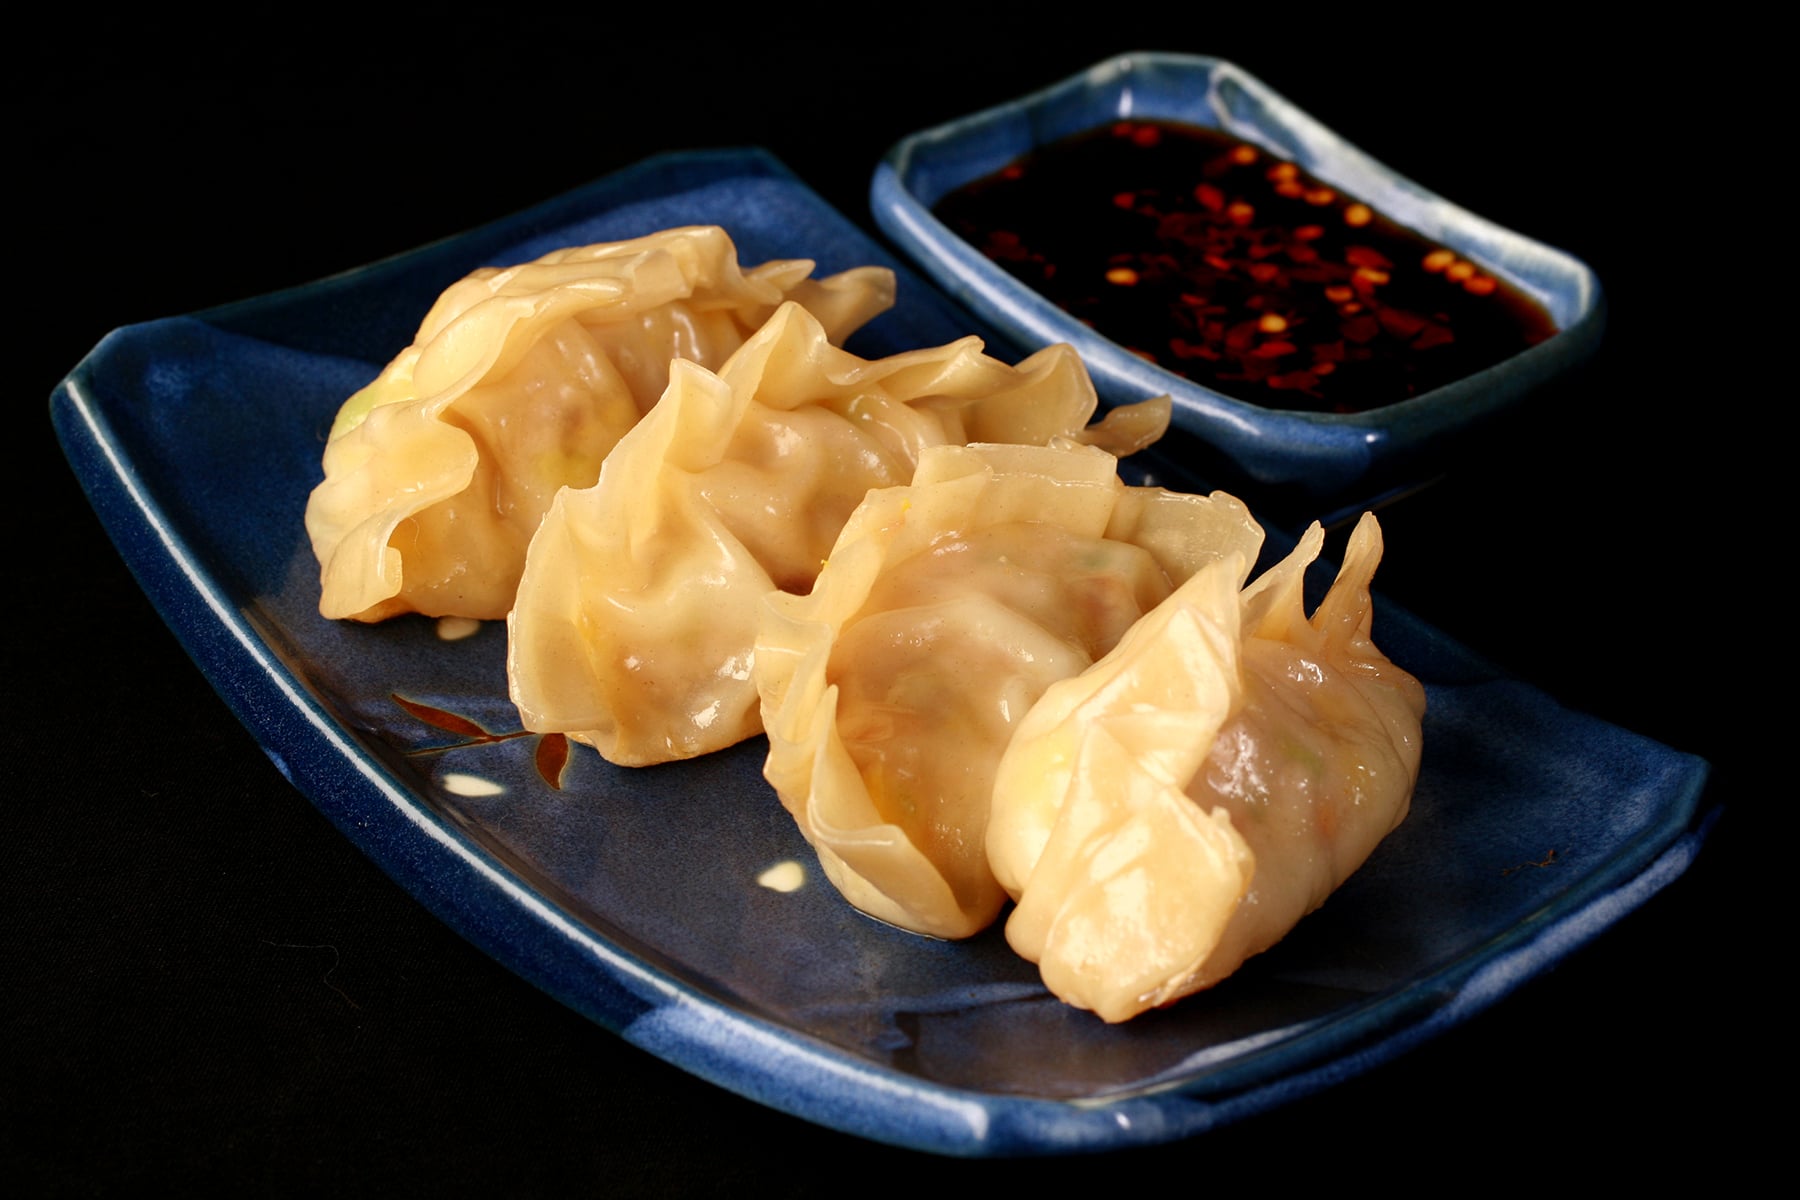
(946, 609)
(519, 383)
(987, 668)
(636, 619)
(1181, 805)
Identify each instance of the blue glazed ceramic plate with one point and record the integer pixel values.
(1348, 457)
(641, 898)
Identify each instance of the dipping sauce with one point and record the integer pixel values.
(1223, 263)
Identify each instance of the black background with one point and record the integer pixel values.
(205, 981)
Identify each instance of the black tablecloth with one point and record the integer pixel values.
(206, 981)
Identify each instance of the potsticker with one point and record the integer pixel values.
(519, 383)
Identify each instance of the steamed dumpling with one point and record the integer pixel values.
(635, 624)
(518, 383)
(945, 611)
(1182, 804)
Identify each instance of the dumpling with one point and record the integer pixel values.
(635, 623)
(518, 383)
(946, 609)
(1179, 806)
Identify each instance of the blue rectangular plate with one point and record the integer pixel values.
(633, 896)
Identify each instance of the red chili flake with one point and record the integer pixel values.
(1293, 380)
(1459, 271)
(1209, 197)
(1276, 349)
(1362, 329)
(1183, 348)
(1480, 285)
(1358, 215)
(1400, 323)
(1437, 260)
(1339, 294)
(1262, 272)
(1309, 233)
(1303, 254)
(1004, 246)
(1146, 135)
(1320, 197)
(1434, 335)
(1124, 199)
(1367, 256)
(1240, 213)
(1290, 189)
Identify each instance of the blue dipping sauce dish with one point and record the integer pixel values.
(1320, 461)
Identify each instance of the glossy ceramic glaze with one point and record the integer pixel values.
(1328, 459)
(679, 905)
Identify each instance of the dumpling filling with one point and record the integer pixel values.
(635, 625)
(1181, 805)
(519, 383)
(946, 610)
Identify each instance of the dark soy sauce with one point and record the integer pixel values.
(1228, 265)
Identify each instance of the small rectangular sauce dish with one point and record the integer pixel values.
(1323, 326)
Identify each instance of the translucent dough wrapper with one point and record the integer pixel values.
(636, 617)
(1185, 802)
(945, 611)
(518, 383)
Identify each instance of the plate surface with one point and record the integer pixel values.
(636, 896)
(1349, 457)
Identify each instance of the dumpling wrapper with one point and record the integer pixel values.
(945, 611)
(1183, 804)
(518, 383)
(635, 624)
